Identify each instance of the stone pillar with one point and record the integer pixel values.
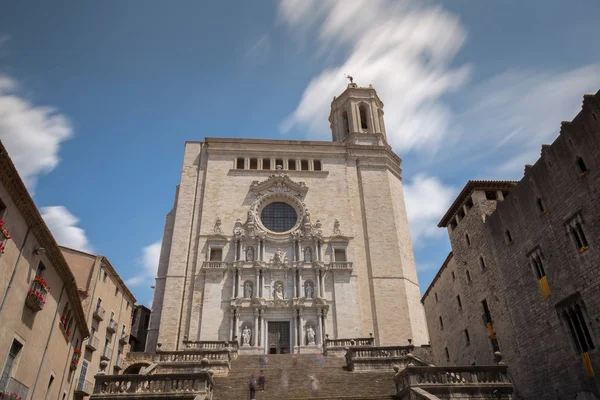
(255, 335)
(301, 328)
(231, 324)
(316, 251)
(324, 323)
(243, 251)
(256, 284)
(237, 282)
(260, 283)
(294, 292)
(236, 316)
(320, 250)
(322, 284)
(299, 282)
(320, 336)
(318, 283)
(294, 331)
(261, 320)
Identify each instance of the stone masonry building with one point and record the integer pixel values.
(281, 243)
(523, 277)
(42, 322)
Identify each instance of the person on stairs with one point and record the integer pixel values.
(262, 380)
(252, 386)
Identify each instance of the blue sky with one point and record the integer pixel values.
(98, 98)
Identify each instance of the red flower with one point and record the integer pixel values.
(1, 222)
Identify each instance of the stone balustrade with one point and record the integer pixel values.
(337, 347)
(198, 385)
(214, 265)
(368, 358)
(212, 345)
(219, 361)
(483, 381)
(340, 265)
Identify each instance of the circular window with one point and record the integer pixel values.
(279, 217)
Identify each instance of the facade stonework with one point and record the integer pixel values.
(524, 264)
(295, 240)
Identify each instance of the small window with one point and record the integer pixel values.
(447, 354)
(578, 235)
(266, 163)
(216, 254)
(491, 195)
(304, 165)
(340, 255)
(508, 236)
(467, 239)
(460, 214)
(2, 209)
(459, 303)
(15, 349)
(253, 163)
(292, 164)
(468, 275)
(116, 291)
(481, 263)
(505, 193)
(436, 298)
(104, 276)
(540, 205)
(581, 166)
(453, 224)
(467, 337)
(574, 318)
(538, 266)
(487, 315)
(41, 270)
(317, 165)
(278, 163)
(441, 323)
(112, 316)
(469, 204)
(453, 276)
(239, 163)
(345, 123)
(363, 110)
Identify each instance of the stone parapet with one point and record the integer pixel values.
(337, 347)
(369, 358)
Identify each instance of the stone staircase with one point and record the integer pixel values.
(289, 379)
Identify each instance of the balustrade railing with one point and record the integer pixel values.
(99, 313)
(192, 356)
(329, 343)
(112, 326)
(106, 353)
(84, 387)
(211, 345)
(214, 265)
(376, 358)
(36, 296)
(92, 342)
(449, 378)
(124, 338)
(340, 265)
(136, 385)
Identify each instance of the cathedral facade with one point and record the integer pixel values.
(279, 244)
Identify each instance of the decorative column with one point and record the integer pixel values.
(319, 317)
(324, 323)
(322, 285)
(256, 284)
(318, 282)
(236, 316)
(301, 329)
(231, 324)
(294, 291)
(294, 331)
(320, 250)
(299, 281)
(237, 282)
(255, 336)
(261, 279)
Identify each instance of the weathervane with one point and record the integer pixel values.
(349, 78)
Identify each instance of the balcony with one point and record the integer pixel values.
(36, 296)
(190, 385)
(340, 265)
(124, 339)
(119, 363)
(106, 353)
(112, 326)
(214, 265)
(13, 386)
(84, 388)
(99, 313)
(92, 343)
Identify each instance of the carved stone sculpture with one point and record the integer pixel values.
(306, 217)
(250, 253)
(246, 334)
(308, 290)
(278, 293)
(250, 217)
(217, 229)
(247, 290)
(336, 227)
(279, 257)
(308, 254)
(310, 335)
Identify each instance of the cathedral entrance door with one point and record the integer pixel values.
(279, 337)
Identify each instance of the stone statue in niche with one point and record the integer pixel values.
(247, 290)
(246, 334)
(308, 254)
(336, 227)
(278, 293)
(309, 290)
(310, 335)
(306, 219)
(250, 253)
(217, 229)
(279, 257)
(318, 225)
(250, 219)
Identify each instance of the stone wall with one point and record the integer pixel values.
(532, 335)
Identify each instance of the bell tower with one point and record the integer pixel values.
(357, 115)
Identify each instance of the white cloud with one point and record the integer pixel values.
(32, 134)
(401, 47)
(149, 262)
(427, 199)
(63, 226)
(514, 113)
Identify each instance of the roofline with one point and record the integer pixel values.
(436, 277)
(108, 263)
(467, 190)
(207, 140)
(20, 195)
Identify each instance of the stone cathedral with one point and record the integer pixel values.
(280, 244)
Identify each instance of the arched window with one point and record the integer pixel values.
(345, 123)
(362, 109)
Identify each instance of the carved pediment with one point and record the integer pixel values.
(279, 182)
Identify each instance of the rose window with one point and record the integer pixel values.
(279, 217)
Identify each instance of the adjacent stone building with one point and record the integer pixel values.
(523, 276)
(42, 322)
(139, 328)
(108, 305)
(280, 243)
